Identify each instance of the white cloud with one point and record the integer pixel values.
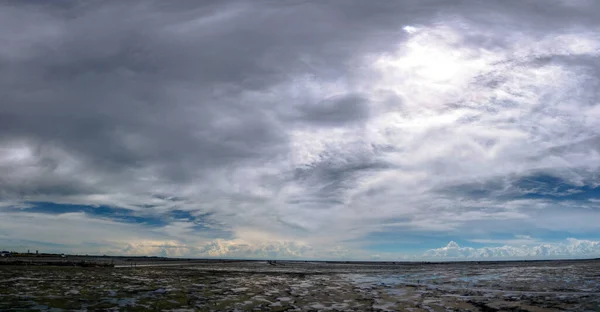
(571, 248)
(239, 249)
(410, 29)
(517, 240)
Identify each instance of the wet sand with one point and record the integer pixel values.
(300, 286)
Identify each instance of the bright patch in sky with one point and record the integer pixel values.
(410, 29)
(351, 130)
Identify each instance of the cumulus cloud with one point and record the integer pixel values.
(570, 248)
(298, 128)
(239, 249)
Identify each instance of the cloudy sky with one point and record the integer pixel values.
(301, 129)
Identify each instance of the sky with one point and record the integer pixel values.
(350, 130)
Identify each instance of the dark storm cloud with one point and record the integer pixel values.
(336, 111)
(327, 181)
(132, 84)
(138, 84)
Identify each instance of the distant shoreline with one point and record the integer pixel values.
(147, 261)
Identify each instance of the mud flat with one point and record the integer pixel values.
(300, 286)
